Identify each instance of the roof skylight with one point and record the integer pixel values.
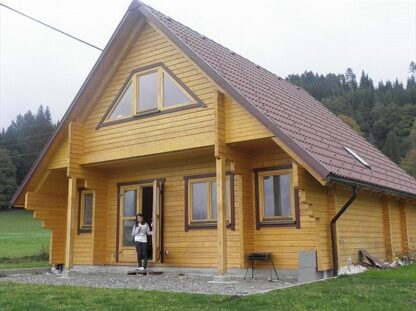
(357, 157)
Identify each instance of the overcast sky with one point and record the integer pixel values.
(39, 66)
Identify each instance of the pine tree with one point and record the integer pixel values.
(412, 68)
(8, 183)
(350, 79)
(392, 147)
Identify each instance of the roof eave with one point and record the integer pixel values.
(382, 189)
(66, 118)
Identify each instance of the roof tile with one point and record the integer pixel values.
(308, 122)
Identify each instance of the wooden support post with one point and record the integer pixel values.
(404, 226)
(387, 229)
(221, 216)
(220, 161)
(70, 222)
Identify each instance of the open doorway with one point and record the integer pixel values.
(147, 211)
(142, 198)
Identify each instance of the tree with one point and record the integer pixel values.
(350, 79)
(8, 183)
(392, 147)
(412, 68)
(409, 162)
(25, 138)
(351, 123)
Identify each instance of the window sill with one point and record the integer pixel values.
(277, 223)
(84, 230)
(146, 113)
(194, 226)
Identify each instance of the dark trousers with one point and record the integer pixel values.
(141, 249)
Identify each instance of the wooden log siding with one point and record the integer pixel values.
(51, 209)
(160, 133)
(361, 227)
(396, 227)
(411, 224)
(196, 248)
(60, 157)
(241, 125)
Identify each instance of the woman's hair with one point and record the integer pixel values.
(141, 215)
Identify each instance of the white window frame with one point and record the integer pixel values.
(135, 105)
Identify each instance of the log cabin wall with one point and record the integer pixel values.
(192, 248)
(172, 131)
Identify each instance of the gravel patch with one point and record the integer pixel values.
(168, 281)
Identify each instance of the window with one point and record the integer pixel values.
(201, 201)
(357, 157)
(150, 91)
(86, 210)
(276, 200)
(123, 106)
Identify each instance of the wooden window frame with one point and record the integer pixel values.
(210, 223)
(133, 78)
(82, 228)
(276, 221)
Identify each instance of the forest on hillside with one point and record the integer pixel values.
(384, 113)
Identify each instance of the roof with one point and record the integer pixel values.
(295, 114)
(301, 122)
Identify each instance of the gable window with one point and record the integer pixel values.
(201, 201)
(123, 106)
(150, 91)
(275, 198)
(86, 209)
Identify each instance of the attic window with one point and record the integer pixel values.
(149, 91)
(357, 157)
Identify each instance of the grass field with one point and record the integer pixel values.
(373, 290)
(23, 241)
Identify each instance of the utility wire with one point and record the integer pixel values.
(51, 27)
(21, 155)
(24, 143)
(24, 137)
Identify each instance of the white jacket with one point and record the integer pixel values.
(140, 232)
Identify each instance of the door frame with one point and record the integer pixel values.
(138, 183)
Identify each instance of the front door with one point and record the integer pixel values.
(142, 198)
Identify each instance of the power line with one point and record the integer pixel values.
(51, 27)
(24, 143)
(27, 136)
(21, 155)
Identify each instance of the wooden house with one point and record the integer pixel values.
(223, 157)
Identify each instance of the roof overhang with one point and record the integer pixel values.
(87, 90)
(384, 190)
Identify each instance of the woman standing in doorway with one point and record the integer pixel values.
(140, 231)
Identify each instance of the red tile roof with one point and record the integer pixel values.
(318, 134)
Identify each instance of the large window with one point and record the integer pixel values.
(149, 91)
(201, 201)
(275, 197)
(86, 210)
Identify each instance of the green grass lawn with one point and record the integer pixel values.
(23, 241)
(373, 290)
